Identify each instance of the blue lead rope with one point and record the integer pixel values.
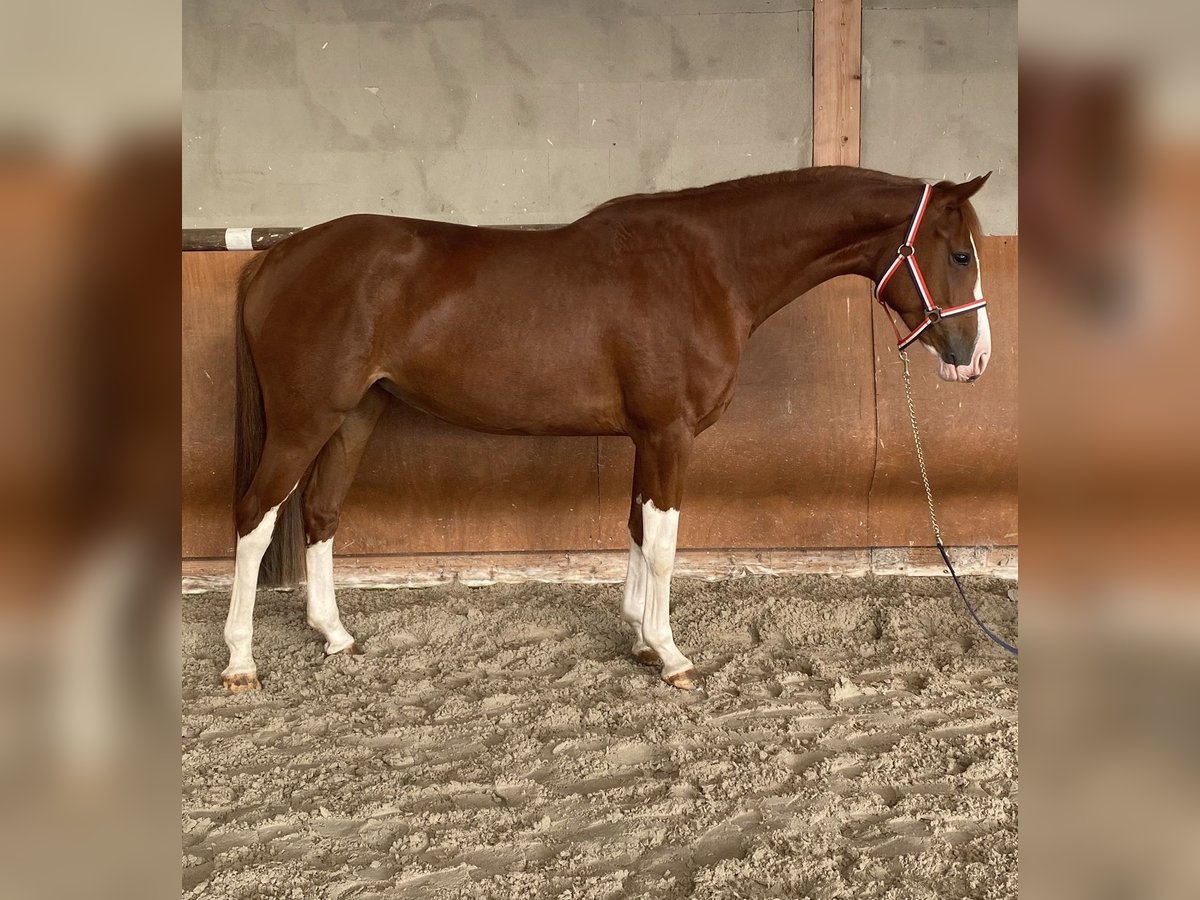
(995, 639)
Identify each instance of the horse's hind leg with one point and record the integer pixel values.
(286, 457)
(662, 461)
(330, 480)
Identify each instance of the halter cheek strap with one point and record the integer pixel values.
(906, 255)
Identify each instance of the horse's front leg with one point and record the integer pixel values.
(633, 606)
(658, 484)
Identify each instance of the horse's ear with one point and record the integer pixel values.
(958, 194)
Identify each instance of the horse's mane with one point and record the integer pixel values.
(794, 176)
(787, 176)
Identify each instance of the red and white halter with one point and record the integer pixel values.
(907, 255)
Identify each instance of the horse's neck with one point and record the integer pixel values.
(796, 237)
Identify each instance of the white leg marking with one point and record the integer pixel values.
(634, 604)
(659, 531)
(239, 624)
(322, 603)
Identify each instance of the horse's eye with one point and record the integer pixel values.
(961, 259)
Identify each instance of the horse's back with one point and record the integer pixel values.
(477, 325)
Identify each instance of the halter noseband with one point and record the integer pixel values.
(906, 254)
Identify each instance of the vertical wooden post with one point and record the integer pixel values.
(837, 81)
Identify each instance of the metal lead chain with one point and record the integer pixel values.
(912, 418)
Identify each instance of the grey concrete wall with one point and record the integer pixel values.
(940, 96)
(484, 111)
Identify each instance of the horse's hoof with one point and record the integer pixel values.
(239, 684)
(647, 657)
(352, 650)
(687, 680)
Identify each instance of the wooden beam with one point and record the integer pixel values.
(837, 81)
(204, 239)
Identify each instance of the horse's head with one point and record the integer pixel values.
(946, 315)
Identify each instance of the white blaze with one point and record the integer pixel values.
(983, 333)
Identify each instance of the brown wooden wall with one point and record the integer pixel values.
(814, 452)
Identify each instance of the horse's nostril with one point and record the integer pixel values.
(951, 358)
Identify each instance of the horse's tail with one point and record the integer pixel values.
(282, 563)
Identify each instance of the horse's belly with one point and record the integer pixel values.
(502, 400)
(536, 363)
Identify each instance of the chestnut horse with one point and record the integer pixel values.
(628, 321)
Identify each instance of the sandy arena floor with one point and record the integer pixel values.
(857, 740)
